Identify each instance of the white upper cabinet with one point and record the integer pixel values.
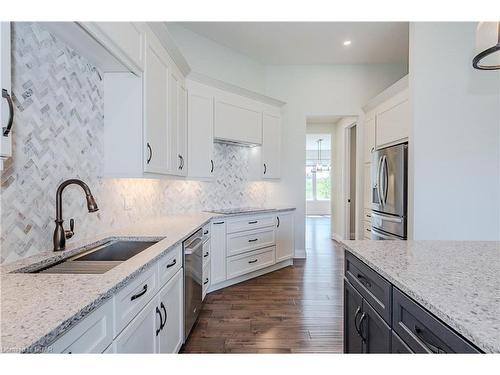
(200, 130)
(393, 121)
(125, 40)
(237, 119)
(271, 145)
(155, 91)
(181, 133)
(6, 105)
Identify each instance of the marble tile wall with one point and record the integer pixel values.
(59, 123)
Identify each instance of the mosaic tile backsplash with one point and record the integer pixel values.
(59, 125)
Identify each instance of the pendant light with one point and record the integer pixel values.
(319, 165)
(487, 46)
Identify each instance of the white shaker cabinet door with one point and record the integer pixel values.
(171, 303)
(200, 132)
(156, 134)
(218, 252)
(141, 335)
(369, 139)
(271, 146)
(285, 244)
(393, 124)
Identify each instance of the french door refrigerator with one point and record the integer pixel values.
(389, 191)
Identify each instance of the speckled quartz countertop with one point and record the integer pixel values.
(458, 281)
(38, 308)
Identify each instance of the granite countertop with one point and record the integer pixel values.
(458, 281)
(38, 308)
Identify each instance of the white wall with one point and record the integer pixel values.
(217, 61)
(456, 121)
(316, 91)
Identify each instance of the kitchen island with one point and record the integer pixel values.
(452, 286)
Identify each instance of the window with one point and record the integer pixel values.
(318, 167)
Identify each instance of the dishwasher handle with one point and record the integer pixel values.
(193, 246)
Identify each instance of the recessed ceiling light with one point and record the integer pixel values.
(347, 43)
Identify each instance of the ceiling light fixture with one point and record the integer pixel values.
(347, 43)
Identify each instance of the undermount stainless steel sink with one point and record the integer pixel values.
(99, 259)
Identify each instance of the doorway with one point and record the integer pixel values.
(350, 147)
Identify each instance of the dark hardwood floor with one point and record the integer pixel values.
(297, 309)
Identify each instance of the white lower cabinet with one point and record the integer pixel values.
(218, 252)
(92, 335)
(171, 305)
(141, 335)
(285, 242)
(255, 260)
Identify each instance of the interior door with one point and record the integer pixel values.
(171, 306)
(156, 134)
(353, 305)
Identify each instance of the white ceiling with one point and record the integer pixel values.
(284, 43)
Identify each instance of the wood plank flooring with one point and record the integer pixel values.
(297, 309)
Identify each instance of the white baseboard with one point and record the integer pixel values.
(251, 275)
(300, 254)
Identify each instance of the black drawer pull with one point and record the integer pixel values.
(252, 261)
(420, 334)
(206, 232)
(161, 321)
(358, 311)
(253, 240)
(252, 222)
(141, 293)
(165, 311)
(206, 255)
(206, 281)
(364, 280)
(219, 222)
(172, 264)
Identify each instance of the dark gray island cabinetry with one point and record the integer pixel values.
(379, 318)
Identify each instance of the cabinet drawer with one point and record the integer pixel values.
(249, 223)
(423, 332)
(206, 253)
(243, 242)
(398, 346)
(131, 299)
(169, 265)
(92, 335)
(249, 262)
(206, 280)
(373, 287)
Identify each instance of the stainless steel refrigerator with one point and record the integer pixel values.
(389, 192)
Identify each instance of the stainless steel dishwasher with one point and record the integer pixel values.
(193, 268)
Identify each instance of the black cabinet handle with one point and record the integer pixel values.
(7, 129)
(433, 348)
(206, 281)
(206, 232)
(150, 152)
(277, 217)
(364, 280)
(212, 169)
(253, 240)
(252, 261)
(358, 311)
(265, 168)
(206, 255)
(363, 317)
(172, 264)
(252, 222)
(161, 321)
(181, 162)
(165, 311)
(219, 222)
(141, 293)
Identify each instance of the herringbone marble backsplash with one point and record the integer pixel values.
(58, 126)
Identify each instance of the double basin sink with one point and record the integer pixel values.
(99, 259)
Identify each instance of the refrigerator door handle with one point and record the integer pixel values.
(379, 165)
(386, 218)
(385, 169)
(384, 236)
